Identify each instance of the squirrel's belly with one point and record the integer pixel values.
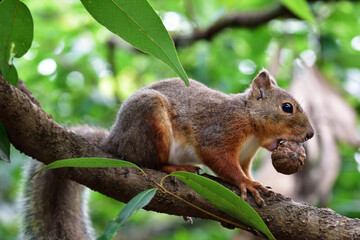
(182, 154)
(248, 149)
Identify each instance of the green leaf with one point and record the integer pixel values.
(88, 163)
(9, 73)
(137, 23)
(4, 144)
(301, 9)
(16, 35)
(138, 202)
(224, 199)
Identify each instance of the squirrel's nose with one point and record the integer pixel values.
(310, 134)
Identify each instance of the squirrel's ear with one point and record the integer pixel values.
(262, 82)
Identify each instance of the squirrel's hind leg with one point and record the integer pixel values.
(142, 133)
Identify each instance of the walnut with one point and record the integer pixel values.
(288, 157)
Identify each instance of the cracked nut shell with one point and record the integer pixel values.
(288, 157)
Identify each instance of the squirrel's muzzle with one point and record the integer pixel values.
(310, 134)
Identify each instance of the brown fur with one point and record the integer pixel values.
(55, 207)
(197, 123)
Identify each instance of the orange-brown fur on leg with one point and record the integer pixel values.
(159, 134)
(246, 167)
(142, 134)
(227, 166)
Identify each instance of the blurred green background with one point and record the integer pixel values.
(80, 73)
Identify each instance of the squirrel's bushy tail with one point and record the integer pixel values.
(53, 207)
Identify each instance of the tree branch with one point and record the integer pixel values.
(33, 132)
(247, 20)
(235, 20)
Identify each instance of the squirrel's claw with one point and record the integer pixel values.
(243, 195)
(253, 188)
(188, 219)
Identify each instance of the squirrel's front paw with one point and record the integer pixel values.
(253, 188)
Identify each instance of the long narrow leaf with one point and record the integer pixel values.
(301, 9)
(4, 144)
(224, 199)
(88, 163)
(137, 23)
(138, 202)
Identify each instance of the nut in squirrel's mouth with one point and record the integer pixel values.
(274, 145)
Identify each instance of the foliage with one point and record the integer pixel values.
(16, 34)
(83, 84)
(88, 163)
(141, 28)
(134, 205)
(224, 199)
(346, 191)
(301, 9)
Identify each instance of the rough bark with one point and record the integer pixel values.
(36, 134)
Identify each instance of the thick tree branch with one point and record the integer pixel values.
(33, 132)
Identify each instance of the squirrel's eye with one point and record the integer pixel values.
(287, 107)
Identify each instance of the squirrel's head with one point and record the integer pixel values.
(275, 114)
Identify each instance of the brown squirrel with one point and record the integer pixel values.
(168, 126)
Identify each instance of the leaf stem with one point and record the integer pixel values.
(198, 208)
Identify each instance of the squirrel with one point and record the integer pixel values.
(167, 126)
(170, 127)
